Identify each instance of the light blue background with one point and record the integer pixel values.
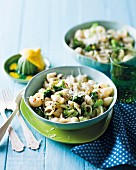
(43, 23)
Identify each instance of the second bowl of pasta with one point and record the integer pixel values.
(70, 97)
(94, 43)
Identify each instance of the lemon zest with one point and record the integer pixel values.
(28, 77)
(15, 75)
(13, 66)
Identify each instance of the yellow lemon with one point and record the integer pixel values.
(15, 75)
(13, 66)
(34, 57)
(28, 77)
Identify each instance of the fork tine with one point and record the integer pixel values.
(7, 97)
(6, 94)
(9, 94)
(3, 95)
(16, 143)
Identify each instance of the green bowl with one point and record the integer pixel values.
(97, 76)
(14, 59)
(66, 136)
(105, 68)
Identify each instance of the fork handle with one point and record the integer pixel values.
(6, 124)
(16, 143)
(31, 141)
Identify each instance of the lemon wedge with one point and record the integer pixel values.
(34, 57)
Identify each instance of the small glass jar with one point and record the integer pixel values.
(123, 74)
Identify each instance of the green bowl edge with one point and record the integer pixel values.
(76, 136)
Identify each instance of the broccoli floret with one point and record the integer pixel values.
(86, 111)
(48, 93)
(39, 110)
(88, 48)
(78, 99)
(116, 45)
(81, 119)
(60, 87)
(94, 25)
(57, 88)
(63, 84)
(94, 95)
(76, 43)
(98, 103)
(70, 113)
(83, 109)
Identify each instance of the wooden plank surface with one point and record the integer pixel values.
(9, 31)
(43, 23)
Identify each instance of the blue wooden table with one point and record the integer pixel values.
(43, 23)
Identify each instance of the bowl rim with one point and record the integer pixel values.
(89, 22)
(71, 123)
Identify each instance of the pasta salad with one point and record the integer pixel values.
(66, 99)
(100, 43)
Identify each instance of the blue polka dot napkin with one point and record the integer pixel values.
(117, 146)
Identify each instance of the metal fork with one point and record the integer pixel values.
(30, 139)
(16, 143)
